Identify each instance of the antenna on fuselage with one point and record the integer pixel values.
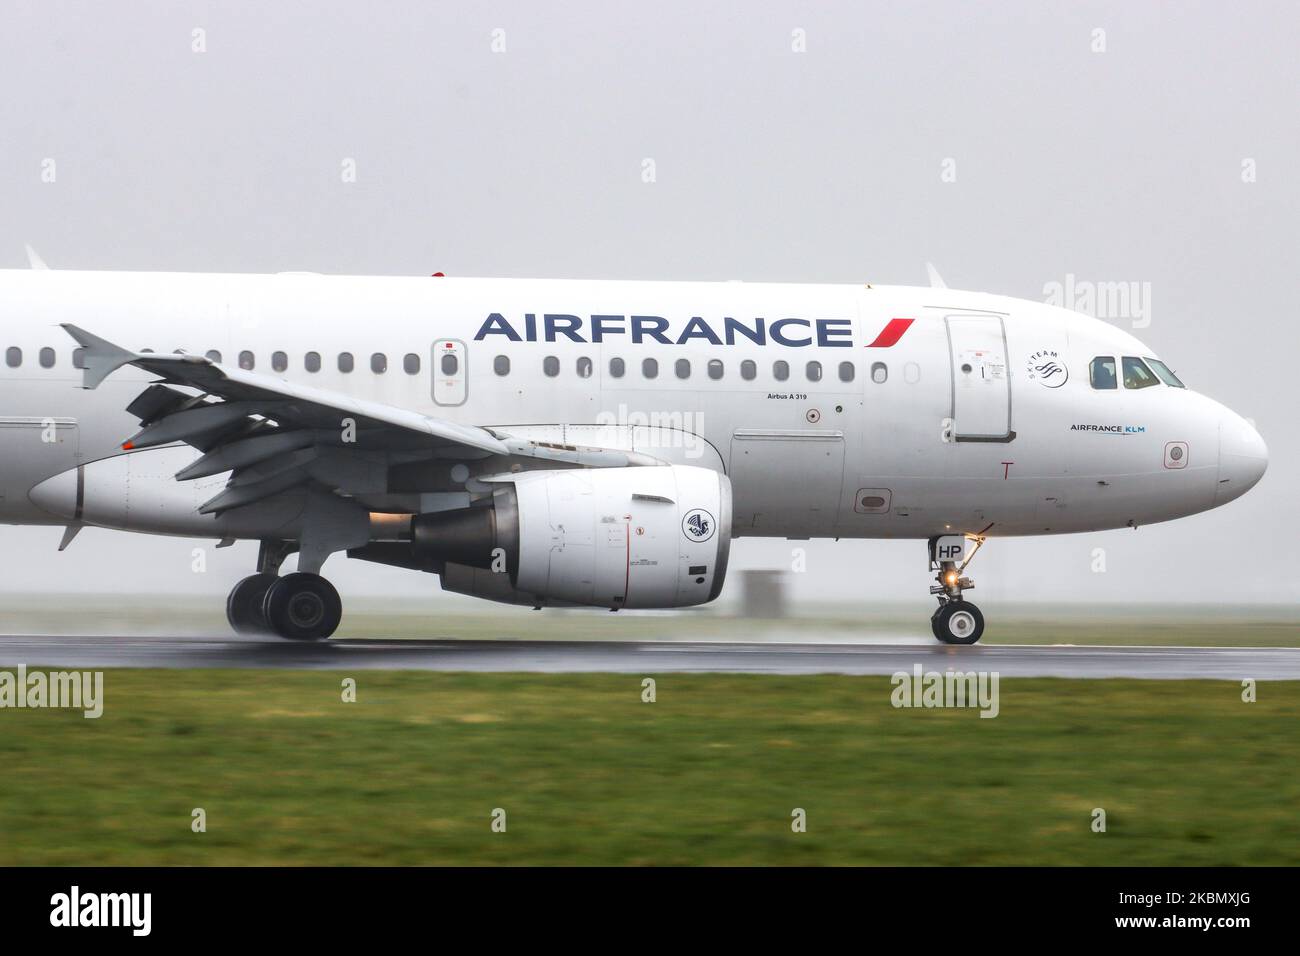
(33, 259)
(936, 280)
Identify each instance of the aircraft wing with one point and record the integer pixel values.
(274, 435)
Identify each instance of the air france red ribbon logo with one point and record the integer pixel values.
(891, 333)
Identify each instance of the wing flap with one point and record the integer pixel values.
(236, 496)
(245, 452)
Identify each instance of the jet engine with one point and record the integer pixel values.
(641, 537)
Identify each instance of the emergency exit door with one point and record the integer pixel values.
(449, 361)
(981, 386)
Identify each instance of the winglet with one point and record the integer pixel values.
(34, 260)
(101, 358)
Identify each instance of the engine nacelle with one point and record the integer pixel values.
(644, 537)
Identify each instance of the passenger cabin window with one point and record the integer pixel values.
(584, 367)
(346, 362)
(450, 363)
(715, 369)
(879, 373)
(1102, 372)
(79, 358)
(683, 368)
(47, 357)
(501, 365)
(1137, 374)
(616, 368)
(1166, 376)
(212, 355)
(551, 366)
(379, 363)
(847, 372)
(814, 371)
(650, 368)
(749, 370)
(780, 370)
(279, 361)
(411, 364)
(246, 361)
(311, 361)
(13, 356)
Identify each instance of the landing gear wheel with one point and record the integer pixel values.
(303, 607)
(244, 605)
(958, 622)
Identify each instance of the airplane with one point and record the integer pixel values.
(583, 443)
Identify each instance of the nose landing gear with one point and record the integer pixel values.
(956, 621)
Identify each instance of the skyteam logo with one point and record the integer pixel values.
(1048, 369)
(698, 526)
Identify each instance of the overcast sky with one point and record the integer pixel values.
(1011, 144)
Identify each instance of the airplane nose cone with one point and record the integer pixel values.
(1243, 458)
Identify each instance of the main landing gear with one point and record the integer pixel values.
(956, 621)
(301, 606)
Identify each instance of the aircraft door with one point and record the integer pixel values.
(981, 388)
(449, 369)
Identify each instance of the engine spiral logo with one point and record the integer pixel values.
(698, 525)
(1047, 368)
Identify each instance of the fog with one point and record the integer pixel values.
(1012, 145)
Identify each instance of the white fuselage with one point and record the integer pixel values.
(874, 427)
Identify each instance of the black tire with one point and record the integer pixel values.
(245, 603)
(958, 622)
(303, 607)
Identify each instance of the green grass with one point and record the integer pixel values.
(588, 774)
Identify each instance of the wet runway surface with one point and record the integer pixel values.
(650, 657)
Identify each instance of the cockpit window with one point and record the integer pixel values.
(1102, 372)
(1166, 376)
(1137, 374)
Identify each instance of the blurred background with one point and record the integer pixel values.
(1017, 146)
